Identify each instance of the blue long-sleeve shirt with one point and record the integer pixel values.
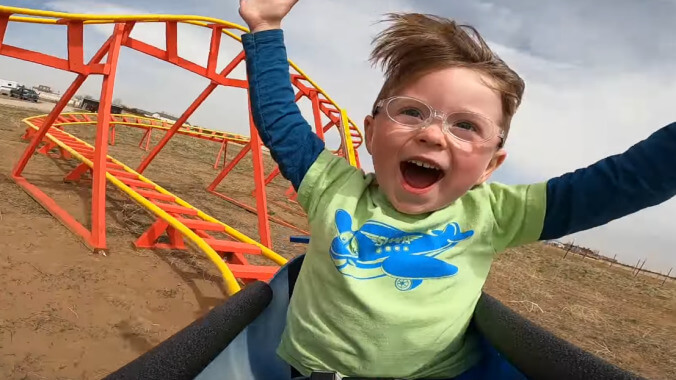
(643, 176)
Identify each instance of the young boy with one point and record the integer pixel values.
(397, 259)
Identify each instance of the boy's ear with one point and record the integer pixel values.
(368, 130)
(497, 160)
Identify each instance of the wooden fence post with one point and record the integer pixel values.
(570, 245)
(666, 277)
(639, 269)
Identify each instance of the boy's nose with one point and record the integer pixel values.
(433, 135)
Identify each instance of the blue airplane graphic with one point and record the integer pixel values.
(376, 250)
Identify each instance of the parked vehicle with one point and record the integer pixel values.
(24, 93)
(7, 85)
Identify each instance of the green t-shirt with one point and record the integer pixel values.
(386, 294)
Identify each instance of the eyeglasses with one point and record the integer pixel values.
(466, 126)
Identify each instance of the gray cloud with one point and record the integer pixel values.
(604, 34)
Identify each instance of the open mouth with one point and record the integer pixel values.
(420, 175)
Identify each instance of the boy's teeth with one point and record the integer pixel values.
(423, 164)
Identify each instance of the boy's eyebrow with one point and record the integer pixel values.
(470, 110)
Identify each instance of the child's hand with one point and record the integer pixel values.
(264, 14)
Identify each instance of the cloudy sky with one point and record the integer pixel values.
(600, 77)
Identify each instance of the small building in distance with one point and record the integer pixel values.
(92, 105)
(166, 117)
(556, 243)
(138, 112)
(44, 88)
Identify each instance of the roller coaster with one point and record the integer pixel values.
(180, 221)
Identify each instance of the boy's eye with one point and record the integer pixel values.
(413, 112)
(465, 125)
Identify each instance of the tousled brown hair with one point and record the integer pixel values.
(416, 44)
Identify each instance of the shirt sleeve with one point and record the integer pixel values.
(276, 115)
(641, 177)
(329, 178)
(518, 213)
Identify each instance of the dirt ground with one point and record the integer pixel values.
(68, 314)
(45, 107)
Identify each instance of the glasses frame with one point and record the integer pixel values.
(443, 116)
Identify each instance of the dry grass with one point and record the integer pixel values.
(629, 321)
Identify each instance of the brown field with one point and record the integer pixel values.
(68, 314)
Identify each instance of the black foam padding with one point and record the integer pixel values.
(185, 354)
(537, 353)
(293, 272)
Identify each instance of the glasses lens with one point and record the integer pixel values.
(471, 127)
(409, 112)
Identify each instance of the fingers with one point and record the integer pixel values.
(242, 5)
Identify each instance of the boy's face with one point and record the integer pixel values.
(457, 165)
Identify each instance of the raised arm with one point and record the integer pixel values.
(643, 176)
(278, 119)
